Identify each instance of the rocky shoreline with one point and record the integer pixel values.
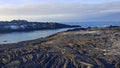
(78, 48)
(23, 25)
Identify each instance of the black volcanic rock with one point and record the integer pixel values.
(23, 25)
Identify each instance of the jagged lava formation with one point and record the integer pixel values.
(78, 48)
(23, 25)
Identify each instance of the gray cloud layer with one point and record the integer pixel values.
(62, 12)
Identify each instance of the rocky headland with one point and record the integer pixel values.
(77, 48)
(23, 25)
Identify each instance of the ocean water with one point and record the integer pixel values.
(93, 24)
(15, 37)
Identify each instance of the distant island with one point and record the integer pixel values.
(23, 25)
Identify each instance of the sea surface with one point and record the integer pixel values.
(93, 24)
(15, 37)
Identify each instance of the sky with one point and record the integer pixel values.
(60, 10)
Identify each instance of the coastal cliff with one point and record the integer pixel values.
(23, 25)
(78, 48)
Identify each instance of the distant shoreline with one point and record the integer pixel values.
(23, 25)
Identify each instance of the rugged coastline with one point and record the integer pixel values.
(78, 48)
(23, 25)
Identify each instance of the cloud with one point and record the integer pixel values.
(59, 11)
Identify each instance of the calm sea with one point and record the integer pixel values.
(15, 37)
(93, 24)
